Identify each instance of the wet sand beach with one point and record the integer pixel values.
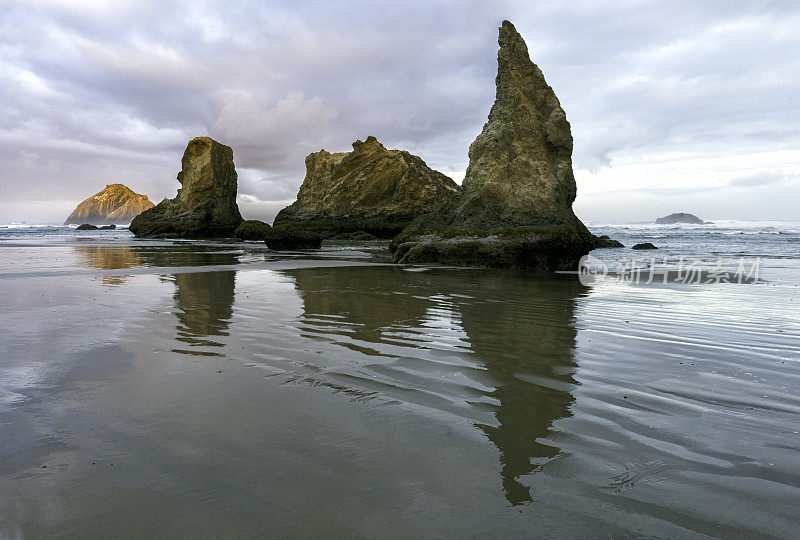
(155, 388)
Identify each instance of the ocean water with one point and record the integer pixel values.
(727, 239)
(199, 389)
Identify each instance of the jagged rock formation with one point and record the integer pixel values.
(116, 204)
(205, 206)
(283, 237)
(516, 205)
(252, 229)
(370, 189)
(679, 217)
(606, 242)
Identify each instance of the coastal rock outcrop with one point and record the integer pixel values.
(205, 206)
(606, 242)
(515, 208)
(287, 236)
(371, 190)
(644, 245)
(679, 217)
(116, 204)
(252, 229)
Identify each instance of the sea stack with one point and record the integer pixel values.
(116, 204)
(369, 190)
(679, 217)
(515, 208)
(205, 206)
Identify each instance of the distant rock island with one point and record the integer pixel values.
(515, 208)
(680, 217)
(116, 204)
(205, 206)
(369, 190)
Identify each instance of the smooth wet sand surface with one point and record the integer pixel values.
(161, 389)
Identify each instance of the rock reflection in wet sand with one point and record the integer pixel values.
(527, 353)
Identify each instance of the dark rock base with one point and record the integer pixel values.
(383, 228)
(360, 236)
(542, 248)
(252, 229)
(156, 229)
(283, 237)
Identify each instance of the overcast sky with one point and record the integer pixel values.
(678, 105)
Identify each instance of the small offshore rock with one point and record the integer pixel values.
(287, 237)
(606, 242)
(644, 245)
(108, 227)
(252, 229)
(86, 227)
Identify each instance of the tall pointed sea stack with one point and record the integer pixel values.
(205, 206)
(516, 204)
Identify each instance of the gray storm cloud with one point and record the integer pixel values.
(96, 92)
(267, 136)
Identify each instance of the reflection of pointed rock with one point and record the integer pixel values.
(205, 206)
(523, 340)
(527, 356)
(205, 305)
(116, 204)
(516, 205)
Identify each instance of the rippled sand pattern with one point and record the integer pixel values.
(229, 391)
